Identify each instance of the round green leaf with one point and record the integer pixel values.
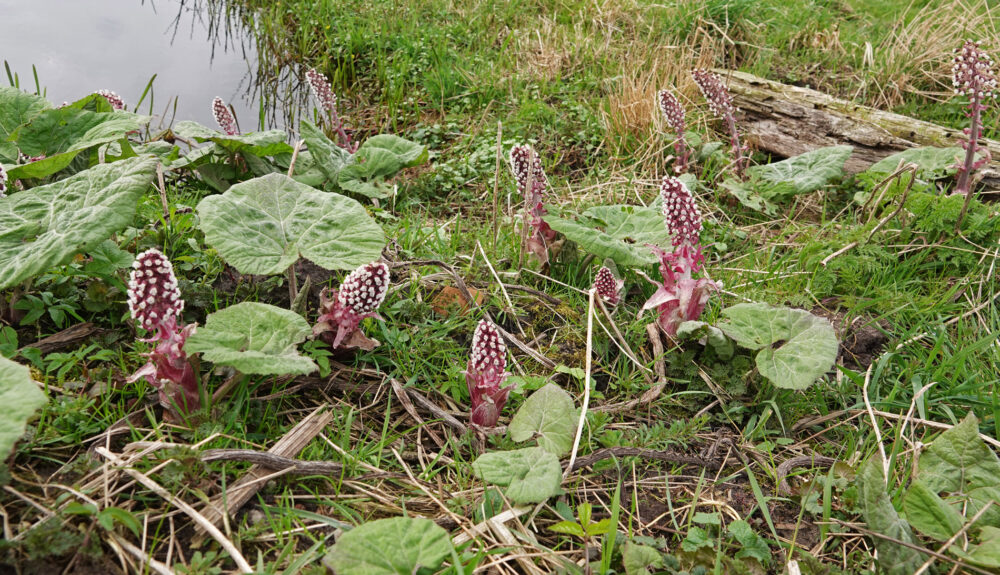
(20, 397)
(550, 414)
(618, 232)
(46, 226)
(808, 344)
(264, 225)
(254, 338)
(16, 109)
(531, 475)
(395, 546)
(806, 172)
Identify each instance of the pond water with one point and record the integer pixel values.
(196, 49)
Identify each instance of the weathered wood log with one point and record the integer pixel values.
(788, 120)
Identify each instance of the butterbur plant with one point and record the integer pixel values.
(485, 374)
(680, 297)
(608, 287)
(328, 101)
(531, 183)
(3, 182)
(673, 113)
(224, 117)
(154, 301)
(974, 78)
(114, 99)
(720, 103)
(359, 297)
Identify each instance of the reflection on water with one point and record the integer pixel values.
(197, 49)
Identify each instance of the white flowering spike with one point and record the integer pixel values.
(488, 353)
(526, 165)
(114, 99)
(224, 117)
(673, 111)
(680, 212)
(720, 102)
(364, 289)
(972, 72)
(153, 295)
(322, 90)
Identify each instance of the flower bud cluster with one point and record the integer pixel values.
(608, 287)
(322, 90)
(114, 99)
(224, 117)
(531, 183)
(720, 102)
(673, 113)
(153, 295)
(680, 213)
(486, 373)
(359, 297)
(972, 72)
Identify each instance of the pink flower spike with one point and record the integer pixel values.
(608, 286)
(680, 297)
(153, 295)
(114, 99)
(322, 90)
(359, 297)
(531, 183)
(720, 102)
(224, 117)
(680, 212)
(485, 373)
(973, 76)
(673, 113)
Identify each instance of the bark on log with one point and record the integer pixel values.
(789, 120)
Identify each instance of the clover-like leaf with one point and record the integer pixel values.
(264, 225)
(378, 159)
(62, 133)
(804, 173)
(16, 109)
(266, 143)
(531, 475)
(618, 232)
(48, 225)
(394, 546)
(550, 414)
(20, 397)
(254, 338)
(796, 346)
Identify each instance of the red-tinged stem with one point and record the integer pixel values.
(345, 140)
(681, 149)
(734, 136)
(964, 178)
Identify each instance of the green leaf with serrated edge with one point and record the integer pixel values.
(987, 553)
(568, 528)
(618, 232)
(531, 475)
(933, 162)
(254, 338)
(267, 143)
(16, 109)
(378, 159)
(714, 337)
(959, 464)
(62, 133)
(327, 157)
(696, 539)
(751, 544)
(808, 344)
(48, 225)
(549, 413)
(395, 546)
(881, 517)
(640, 559)
(929, 514)
(20, 397)
(264, 225)
(804, 173)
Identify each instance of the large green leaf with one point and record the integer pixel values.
(16, 109)
(987, 553)
(264, 225)
(803, 173)
(254, 338)
(934, 163)
(378, 159)
(20, 398)
(394, 546)
(267, 143)
(46, 226)
(807, 344)
(640, 559)
(930, 514)
(881, 517)
(62, 133)
(618, 232)
(549, 415)
(531, 475)
(326, 156)
(959, 464)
